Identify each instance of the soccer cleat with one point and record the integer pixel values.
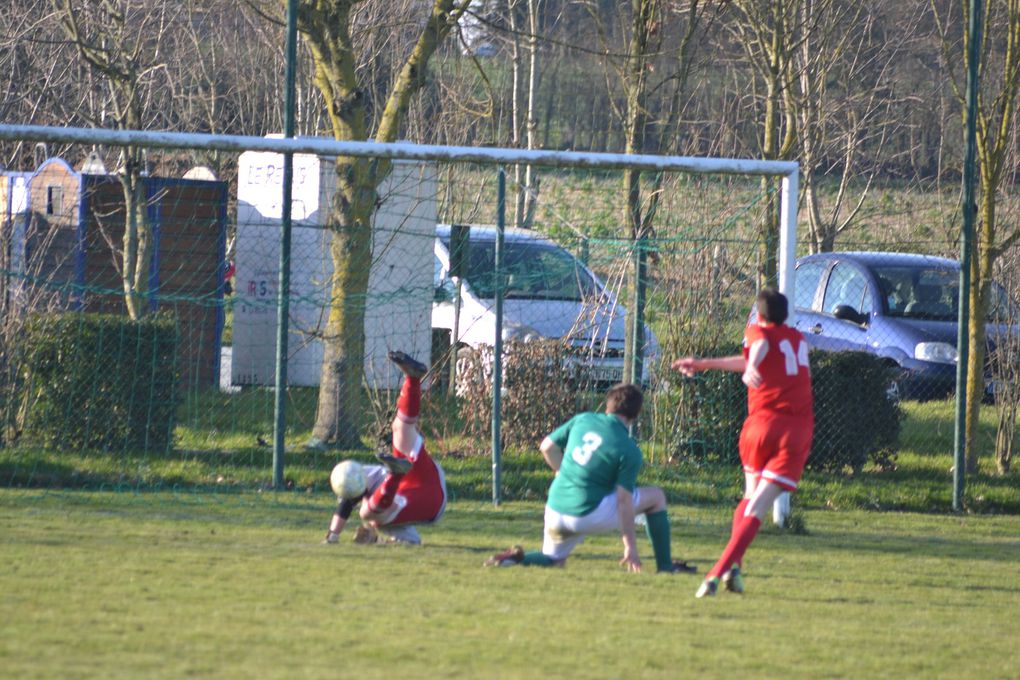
(508, 558)
(733, 581)
(411, 367)
(395, 464)
(680, 567)
(366, 535)
(708, 588)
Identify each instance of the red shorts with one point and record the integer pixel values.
(421, 493)
(776, 447)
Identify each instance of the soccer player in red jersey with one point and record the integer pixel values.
(408, 488)
(776, 438)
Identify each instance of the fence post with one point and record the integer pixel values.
(966, 238)
(283, 294)
(497, 349)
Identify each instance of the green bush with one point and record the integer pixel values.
(99, 381)
(856, 421)
(707, 414)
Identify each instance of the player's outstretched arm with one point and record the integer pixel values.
(691, 366)
(625, 509)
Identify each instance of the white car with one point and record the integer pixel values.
(549, 294)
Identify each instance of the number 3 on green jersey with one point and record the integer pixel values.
(590, 443)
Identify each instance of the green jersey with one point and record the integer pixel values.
(598, 456)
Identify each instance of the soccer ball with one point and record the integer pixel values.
(348, 479)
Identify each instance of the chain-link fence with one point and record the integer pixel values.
(184, 396)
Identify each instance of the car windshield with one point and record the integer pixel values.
(534, 271)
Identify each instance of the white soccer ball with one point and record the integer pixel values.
(348, 479)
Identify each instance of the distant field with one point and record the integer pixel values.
(160, 585)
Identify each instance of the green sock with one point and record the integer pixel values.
(536, 558)
(657, 527)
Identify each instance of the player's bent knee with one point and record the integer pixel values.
(653, 499)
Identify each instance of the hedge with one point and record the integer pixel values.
(98, 381)
(856, 420)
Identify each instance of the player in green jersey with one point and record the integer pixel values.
(595, 489)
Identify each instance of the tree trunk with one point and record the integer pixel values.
(768, 229)
(137, 249)
(977, 335)
(515, 110)
(327, 29)
(634, 129)
(530, 182)
(341, 397)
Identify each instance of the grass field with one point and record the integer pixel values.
(159, 585)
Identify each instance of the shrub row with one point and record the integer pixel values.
(98, 381)
(857, 422)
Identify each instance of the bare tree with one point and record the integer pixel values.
(654, 60)
(329, 28)
(120, 41)
(996, 121)
(843, 100)
(771, 34)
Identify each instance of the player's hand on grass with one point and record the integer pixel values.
(631, 561)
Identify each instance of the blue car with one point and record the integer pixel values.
(899, 306)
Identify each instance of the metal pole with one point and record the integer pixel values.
(283, 294)
(638, 328)
(966, 238)
(497, 349)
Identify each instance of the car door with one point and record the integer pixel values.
(846, 286)
(808, 297)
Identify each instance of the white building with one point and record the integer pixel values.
(400, 288)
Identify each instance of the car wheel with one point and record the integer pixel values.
(895, 391)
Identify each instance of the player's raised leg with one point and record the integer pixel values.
(405, 423)
(405, 438)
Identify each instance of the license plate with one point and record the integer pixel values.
(606, 373)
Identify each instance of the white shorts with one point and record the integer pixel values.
(563, 533)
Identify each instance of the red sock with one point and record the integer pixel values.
(741, 538)
(738, 515)
(382, 497)
(409, 402)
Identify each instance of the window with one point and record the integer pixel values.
(919, 292)
(847, 286)
(808, 275)
(54, 200)
(533, 271)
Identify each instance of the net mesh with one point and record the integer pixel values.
(183, 396)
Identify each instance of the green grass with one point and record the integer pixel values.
(218, 454)
(161, 585)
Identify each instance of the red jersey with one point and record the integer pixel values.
(786, 376)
